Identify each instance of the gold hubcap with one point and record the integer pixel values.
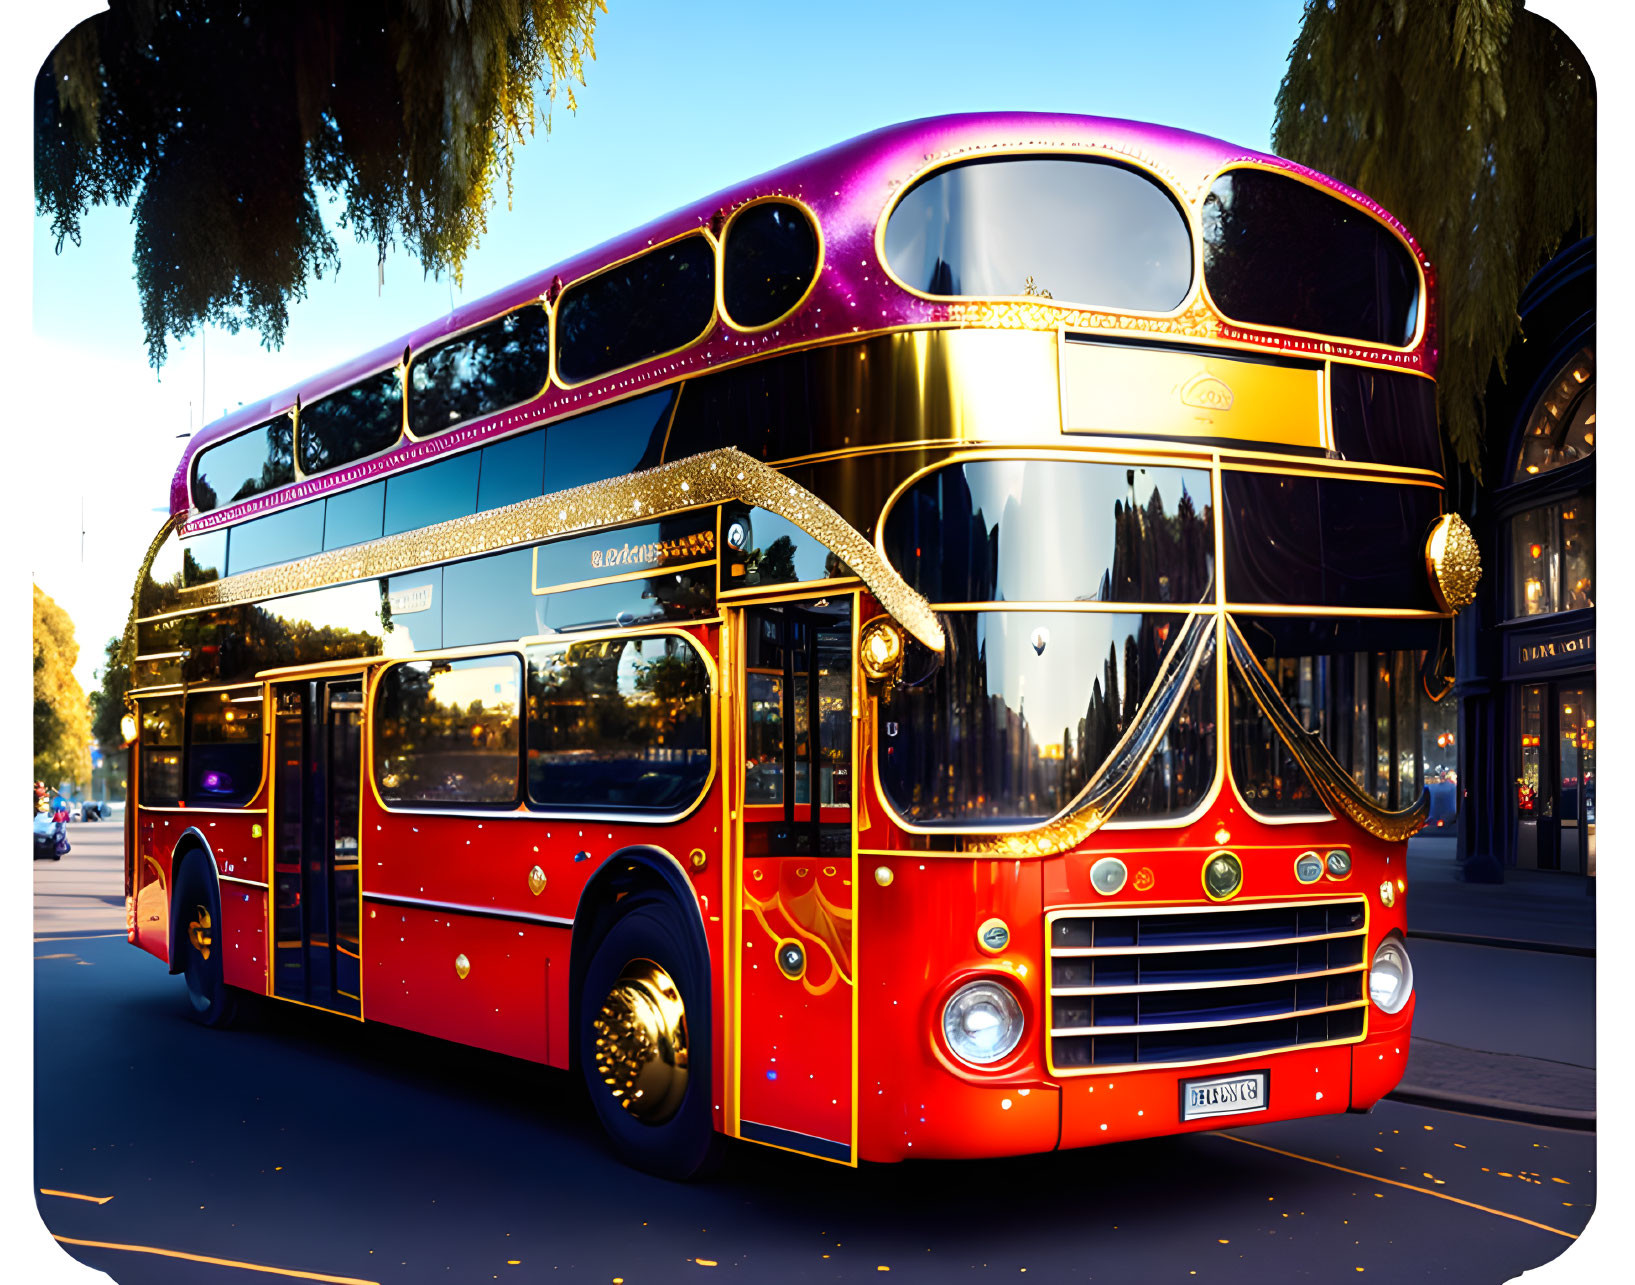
(198, 932)
(641, 1042)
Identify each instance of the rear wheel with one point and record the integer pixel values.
(197, 904)
(645, 1040)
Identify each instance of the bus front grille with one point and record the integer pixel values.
(1153, 986)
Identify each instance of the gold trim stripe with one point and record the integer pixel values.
(698, 481)
(215, 1262)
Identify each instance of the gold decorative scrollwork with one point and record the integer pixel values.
(699, 481)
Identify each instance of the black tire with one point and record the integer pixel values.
(685, 1142)
(212, 1001)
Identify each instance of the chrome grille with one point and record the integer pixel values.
(1147, 986)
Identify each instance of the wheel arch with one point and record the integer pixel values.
(633, 869)
(191, 846)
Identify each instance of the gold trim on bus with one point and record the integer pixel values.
(622, 578)
(721, 262)
(698, 481)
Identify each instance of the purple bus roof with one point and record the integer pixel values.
(847, 187)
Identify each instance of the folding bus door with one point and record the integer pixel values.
(318, 757)
(797, 1029)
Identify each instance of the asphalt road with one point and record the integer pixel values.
(321, 1149)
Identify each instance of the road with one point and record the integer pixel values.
(322, 1149)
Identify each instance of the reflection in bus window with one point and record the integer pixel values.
(1070, 229)
(480, 372)
(610, 441)
(764, 548)
(223, 746)
(431, 494)
(1354, 685)
(248, 464)
(161, 740)
(351, 517)
(277, 537)
(359, 420)
(1280, 252)
(769, 259)
(652, 304)
(204, 557)
(999, 530)
(618, 723)
(447, 731)
(1027, 707)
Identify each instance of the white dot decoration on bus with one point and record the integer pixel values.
(699, 481)
(1454, 563)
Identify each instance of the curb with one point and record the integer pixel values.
(1496, 1109)
(1505, 943)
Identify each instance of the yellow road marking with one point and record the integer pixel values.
(216, 1262)
(1424, 1191)
(74, 1195)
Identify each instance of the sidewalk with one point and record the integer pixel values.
(1504, 976)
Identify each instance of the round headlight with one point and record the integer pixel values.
(982, 1023)
(1391, 976)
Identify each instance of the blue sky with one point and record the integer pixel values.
(680, 101)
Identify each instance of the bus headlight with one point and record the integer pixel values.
(1391, 976)
(982, 1023)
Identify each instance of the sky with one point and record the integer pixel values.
(679, 102)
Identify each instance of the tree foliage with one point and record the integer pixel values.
(62, 718)
(1474, 122)
(108, 701)
(221, 124)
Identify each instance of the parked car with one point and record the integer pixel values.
(45, 837)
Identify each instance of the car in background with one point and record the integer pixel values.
(45, 837)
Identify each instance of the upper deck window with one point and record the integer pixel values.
(1279, 252)
(1071, 229)
(652, 304)
(768, 260)
(1327, 542)
(245, 465)
(497, 365)
(1055, 531)
(1385, 417)
(359, 420)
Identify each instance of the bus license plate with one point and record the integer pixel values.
(1224, 1095)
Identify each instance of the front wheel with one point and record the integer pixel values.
(644, 1041)
(198, 904)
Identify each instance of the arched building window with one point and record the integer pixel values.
(1552, 546)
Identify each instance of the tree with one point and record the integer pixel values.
(108, 701)
(1473, 121)
(220, 126)
(62, 718)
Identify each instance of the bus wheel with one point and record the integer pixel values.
(644, 1041)
(198, 904)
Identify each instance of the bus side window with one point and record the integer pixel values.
(161, 751)
(447, 732)
(223, 746)
(618, 724)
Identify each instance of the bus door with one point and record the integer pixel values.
(797, 872)
(318, 759)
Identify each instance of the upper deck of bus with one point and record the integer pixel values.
(850, 192)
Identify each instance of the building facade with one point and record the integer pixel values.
(1526, 648)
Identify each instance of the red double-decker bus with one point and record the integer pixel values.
(900, 658)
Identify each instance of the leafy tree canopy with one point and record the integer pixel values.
(62, 717)
(108, 701)
(220, 122)
(1474, 122)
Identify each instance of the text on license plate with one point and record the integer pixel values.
(1224, 1094)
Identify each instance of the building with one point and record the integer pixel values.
(1526, 647)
